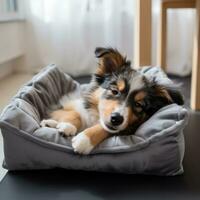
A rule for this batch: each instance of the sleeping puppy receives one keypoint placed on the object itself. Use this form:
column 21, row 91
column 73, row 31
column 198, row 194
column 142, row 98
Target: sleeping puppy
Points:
column 117, row 101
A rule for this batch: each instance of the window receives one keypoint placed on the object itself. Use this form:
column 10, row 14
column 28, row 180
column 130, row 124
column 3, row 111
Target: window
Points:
column 11, row 10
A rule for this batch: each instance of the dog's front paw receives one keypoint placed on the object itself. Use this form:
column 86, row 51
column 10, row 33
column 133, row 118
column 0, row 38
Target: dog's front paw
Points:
column 81, row 144
column 66, row 128
column 48, row 123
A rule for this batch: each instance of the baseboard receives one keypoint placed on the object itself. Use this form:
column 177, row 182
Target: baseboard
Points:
column 6, row 69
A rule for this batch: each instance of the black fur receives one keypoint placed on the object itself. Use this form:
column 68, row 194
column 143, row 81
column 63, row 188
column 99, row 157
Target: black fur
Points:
column 150, row 104
column 175, row 95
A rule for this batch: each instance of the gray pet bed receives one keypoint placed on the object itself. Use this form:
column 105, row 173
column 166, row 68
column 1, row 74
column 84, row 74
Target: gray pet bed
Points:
column 156, row 148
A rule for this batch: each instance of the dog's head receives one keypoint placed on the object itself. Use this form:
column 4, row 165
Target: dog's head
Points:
column 127, row 97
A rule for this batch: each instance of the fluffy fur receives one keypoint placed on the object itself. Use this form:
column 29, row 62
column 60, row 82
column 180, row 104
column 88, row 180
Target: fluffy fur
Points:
column 118, row 100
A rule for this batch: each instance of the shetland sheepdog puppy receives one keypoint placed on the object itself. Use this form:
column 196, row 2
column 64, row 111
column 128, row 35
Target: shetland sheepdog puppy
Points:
column 118, row 100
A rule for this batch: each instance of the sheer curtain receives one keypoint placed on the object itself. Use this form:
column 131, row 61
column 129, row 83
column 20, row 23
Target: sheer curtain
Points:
column 180, row 44
column 180, row 32
column 66, row 32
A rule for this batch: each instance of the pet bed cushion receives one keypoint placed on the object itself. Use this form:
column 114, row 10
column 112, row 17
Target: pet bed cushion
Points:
column 156, row 148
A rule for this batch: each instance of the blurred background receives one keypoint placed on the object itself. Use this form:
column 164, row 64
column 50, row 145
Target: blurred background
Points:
column 34, row 33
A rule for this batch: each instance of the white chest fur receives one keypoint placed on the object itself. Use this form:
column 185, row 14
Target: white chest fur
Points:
column 89, row 117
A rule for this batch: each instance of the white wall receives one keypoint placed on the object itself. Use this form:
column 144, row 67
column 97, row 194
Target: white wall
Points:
column 11, row 44
column 6, row 69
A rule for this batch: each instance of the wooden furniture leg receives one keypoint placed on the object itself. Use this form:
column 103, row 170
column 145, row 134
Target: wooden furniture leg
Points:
column 162, row 32
column 195, row 87
column 162, row 38
column 142, row 33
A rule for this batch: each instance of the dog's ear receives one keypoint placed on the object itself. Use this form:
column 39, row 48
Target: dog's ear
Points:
column 110, row 60
column 159, row 96
column 176, row 96
column 170, row 94
column 100, row 51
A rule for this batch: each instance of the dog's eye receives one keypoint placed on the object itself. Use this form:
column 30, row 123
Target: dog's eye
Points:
column 115, row 92
column 137, row 104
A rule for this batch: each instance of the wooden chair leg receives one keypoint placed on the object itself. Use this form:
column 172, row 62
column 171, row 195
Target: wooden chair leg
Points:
column 195, row 88
column 162, row 38
column 142, row 32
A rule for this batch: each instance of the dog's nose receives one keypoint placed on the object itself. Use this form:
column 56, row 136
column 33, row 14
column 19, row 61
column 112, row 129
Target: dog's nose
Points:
column 116, row 119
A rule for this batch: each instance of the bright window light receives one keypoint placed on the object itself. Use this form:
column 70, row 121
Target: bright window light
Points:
column 10, row 10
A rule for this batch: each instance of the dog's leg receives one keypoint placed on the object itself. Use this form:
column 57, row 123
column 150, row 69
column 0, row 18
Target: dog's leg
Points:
column 85, row 141
column 67, row 122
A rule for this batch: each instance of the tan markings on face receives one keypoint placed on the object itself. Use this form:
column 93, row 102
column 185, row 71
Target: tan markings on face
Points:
column 96, row 134
column 108, row 107
column 70, row 116
column 139, row 97
column 121, row 85
column 161, row 91
column 131, row 117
